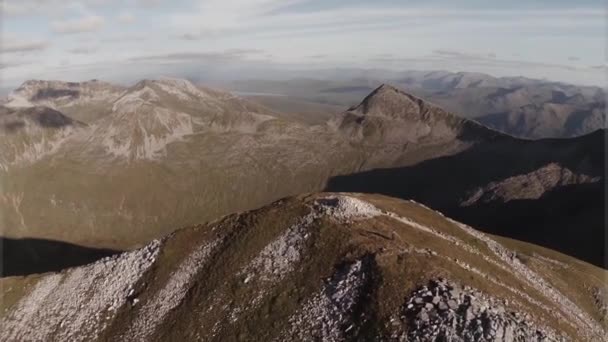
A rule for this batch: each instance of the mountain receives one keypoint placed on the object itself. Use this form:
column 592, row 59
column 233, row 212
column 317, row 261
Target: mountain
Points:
column 330, row 267
column 166, row 154
column 169, row 154
column 548, row 119
column 389, row 115
column 83, row 101
column 30, row 133
column 518, row 106
column 153, row 113
column 402, row 129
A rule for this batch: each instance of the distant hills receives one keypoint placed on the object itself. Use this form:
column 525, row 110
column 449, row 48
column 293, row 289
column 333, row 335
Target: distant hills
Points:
column 515, row 105
column 163, row 154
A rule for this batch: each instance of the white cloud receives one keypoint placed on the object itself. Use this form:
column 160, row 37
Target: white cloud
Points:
column 214, row 18
column 126, row 18
column 12, row 44
column 83, row 50
column 89, row 23
column 305, row 33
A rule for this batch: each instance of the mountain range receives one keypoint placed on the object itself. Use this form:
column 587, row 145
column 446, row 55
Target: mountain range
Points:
column 166, row 153
column 103, row 236
column 518, row 106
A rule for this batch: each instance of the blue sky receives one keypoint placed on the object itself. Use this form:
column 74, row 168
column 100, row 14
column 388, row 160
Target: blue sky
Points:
column 128, row 39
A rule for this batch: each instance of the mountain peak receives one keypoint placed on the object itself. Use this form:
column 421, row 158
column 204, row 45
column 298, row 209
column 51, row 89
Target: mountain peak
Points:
column 391, row 115
column 391, row 102
column 181, row 89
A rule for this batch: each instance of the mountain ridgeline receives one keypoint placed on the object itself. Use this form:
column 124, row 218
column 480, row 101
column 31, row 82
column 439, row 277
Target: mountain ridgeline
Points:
column 518, row 106
column 166, row 153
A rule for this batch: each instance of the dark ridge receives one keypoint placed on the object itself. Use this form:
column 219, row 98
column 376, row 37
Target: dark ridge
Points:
column 569, row 219
column 559, row 96
column 13, row 126
column 502, row 92
column 15, row 118
column 46, row 93
column 47, row 117
column 29, row 256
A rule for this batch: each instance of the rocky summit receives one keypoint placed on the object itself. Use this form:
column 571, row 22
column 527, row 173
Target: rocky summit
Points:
column 320, row 267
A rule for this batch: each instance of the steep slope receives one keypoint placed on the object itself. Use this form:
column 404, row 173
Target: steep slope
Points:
column 389, row 115
column 548, row 120
column 403, row 129
column 331, row 267
column 517, row 106
column 168, row 154
column 154, row 113
column 83, row 101
column 28, row 134
column 548, row 191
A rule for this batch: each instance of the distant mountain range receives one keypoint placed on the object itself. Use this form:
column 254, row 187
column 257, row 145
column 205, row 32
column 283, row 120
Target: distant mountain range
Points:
column 322, row 267
column 165, row 153
column 516, row 105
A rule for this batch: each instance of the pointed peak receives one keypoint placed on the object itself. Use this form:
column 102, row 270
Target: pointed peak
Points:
column 182, row 88
column 391, row 102
column 387, row 87
column 389, row 90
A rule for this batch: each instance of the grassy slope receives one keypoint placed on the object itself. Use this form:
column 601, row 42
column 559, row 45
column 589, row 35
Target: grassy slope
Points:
column 218, row 291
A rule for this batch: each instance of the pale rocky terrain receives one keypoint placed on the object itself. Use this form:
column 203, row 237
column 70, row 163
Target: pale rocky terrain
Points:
column 30, row 133
column 82, row 101
column 331, row 267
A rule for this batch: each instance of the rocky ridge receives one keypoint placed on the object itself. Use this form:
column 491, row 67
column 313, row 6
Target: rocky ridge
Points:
column 82, row 101
column 335, row 267
column 450, row 312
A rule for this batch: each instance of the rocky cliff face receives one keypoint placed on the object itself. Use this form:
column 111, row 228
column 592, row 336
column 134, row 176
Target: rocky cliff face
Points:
column 331, row 267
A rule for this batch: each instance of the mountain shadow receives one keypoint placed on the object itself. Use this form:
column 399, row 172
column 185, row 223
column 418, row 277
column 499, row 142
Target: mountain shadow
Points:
column 29, row 256
column 520, row 189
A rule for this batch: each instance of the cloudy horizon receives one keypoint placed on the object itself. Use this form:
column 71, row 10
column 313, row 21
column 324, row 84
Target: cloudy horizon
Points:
column 125, row 40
